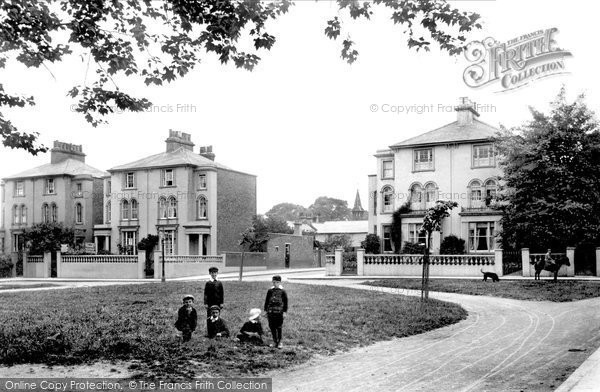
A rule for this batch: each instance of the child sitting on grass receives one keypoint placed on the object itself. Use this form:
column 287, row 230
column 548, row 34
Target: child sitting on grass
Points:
column 216, row 327
column 252, row 330
column 186, row 318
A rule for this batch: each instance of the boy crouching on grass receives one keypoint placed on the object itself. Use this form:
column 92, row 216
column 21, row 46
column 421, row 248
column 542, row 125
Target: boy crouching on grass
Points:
column 216, row 327
column 252, row 330
column 187, row 318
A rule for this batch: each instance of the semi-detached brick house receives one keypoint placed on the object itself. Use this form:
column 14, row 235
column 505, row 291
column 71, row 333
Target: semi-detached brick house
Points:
column 457, row 162
column 197, row 205
column 60, row 191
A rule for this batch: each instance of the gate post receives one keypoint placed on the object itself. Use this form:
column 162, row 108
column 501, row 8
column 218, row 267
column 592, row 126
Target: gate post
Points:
column 47, row 264
column 571, row 256
column 499, row 267
column 360, row 261
column 339, row 262
column 25, row 266
column 525, row 262
column 59, row 264
column 598, row 261
column 141, row 264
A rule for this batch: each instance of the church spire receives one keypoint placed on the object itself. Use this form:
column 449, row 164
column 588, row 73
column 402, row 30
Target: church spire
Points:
column 358, row 212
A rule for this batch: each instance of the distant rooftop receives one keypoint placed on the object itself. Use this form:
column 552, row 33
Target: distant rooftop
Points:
column 70, row 167
column 342, row 227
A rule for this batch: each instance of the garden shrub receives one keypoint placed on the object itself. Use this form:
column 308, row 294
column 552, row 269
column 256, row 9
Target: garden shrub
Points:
column 452, row 245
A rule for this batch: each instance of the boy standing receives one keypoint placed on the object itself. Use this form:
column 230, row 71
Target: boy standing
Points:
column 276, row 305
column 187, row 318
column 213, row 292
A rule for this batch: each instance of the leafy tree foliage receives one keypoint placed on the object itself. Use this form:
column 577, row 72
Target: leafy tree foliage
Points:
column 337, row 241
column 371, row 244
column 452, row 245
column 47, row 237
column 255, row 238
column 287, row 211
column 148, row 243
column 552, row 179
column 160, row 41
column 410, row 248
column 396, row 227
column 330, row 209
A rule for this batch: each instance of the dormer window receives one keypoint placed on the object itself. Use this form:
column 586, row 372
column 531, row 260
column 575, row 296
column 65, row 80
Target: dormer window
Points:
column 50, row 186
column 168, row 177
column 423, row 159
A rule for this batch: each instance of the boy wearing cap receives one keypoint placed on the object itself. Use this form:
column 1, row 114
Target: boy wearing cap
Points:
column 252, row 330
column 215, row 326
column 213, row 292
column 276, row 305
column 187, row 318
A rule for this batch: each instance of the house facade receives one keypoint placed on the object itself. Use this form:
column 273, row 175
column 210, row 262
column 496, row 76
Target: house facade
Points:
column 61, row 191
column 198, row 206
column 454, row 162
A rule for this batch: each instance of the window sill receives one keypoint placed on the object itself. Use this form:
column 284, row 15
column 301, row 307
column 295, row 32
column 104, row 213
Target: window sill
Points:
column 130, row 189
column 422, row 170
column 49, row 194
column 483, row 167
column 167, row 186
column 386, row 178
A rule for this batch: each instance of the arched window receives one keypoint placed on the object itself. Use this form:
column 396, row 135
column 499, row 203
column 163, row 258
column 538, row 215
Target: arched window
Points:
column 172, row 207
column 124, row 210
column 108, row 212
column 491, row 188
column 475, row 198
column 45, row 213
column 78, row 213
column 15, row 214
column 431, row 194
column 53, row 213
column 202, row 207
column 387, row 196
column 416, row 197
column 134, row 209
column 23, row 214
column 162, row 208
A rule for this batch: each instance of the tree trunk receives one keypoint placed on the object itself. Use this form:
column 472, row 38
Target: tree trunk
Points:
column 425, row 275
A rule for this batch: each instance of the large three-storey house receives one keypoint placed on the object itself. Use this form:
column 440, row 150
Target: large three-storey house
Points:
column 454, row 162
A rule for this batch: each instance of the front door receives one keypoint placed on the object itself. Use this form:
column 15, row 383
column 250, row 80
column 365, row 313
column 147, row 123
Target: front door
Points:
column 287, row 255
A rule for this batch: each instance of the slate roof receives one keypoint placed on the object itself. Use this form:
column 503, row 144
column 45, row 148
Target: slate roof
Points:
column 70, row 167
column 178, row 157
column 453, row 132
column 342, row 227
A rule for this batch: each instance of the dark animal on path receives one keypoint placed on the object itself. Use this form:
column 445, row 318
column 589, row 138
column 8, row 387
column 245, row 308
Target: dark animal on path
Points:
column 492, row 275
column 541, row 264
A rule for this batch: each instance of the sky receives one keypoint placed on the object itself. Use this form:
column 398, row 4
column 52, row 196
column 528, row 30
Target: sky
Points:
column 304, row 121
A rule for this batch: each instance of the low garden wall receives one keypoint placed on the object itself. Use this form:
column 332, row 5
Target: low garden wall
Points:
column 178, row 266
column 100, row 266
column 253, row 261
column 36, row 266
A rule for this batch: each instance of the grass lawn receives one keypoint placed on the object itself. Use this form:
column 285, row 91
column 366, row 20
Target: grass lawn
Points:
column 135, row 323
column 532, row 290
column 26, row 286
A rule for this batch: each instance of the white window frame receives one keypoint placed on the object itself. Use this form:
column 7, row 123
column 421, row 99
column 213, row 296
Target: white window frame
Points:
column 413, row 233
column 168, row 177
column 78, row 213
column 386, row 230
column 23, row 210
column 53, row 213
column 170, row 239
column 387, row 200
column 50, row 186
column 171, row 207
column 45, row 213
column 387, row 173
column 128, row 176
column 202, row 207
column 134, row 209
column 473, row 242
column 202, row 181
column 476, row 194
column 107, row 218
column 125, row 211
column 488, row 161
column 19, row 188
column 162, row 208
column 129, row 238
column 423, row 165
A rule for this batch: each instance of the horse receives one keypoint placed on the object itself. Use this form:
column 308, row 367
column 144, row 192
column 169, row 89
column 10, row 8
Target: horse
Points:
column 540, row 265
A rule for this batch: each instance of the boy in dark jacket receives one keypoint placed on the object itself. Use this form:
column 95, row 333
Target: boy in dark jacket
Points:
column 252, row 330
column 216, row 327
column 213, row 292
column 187, row 318
column 276, row 305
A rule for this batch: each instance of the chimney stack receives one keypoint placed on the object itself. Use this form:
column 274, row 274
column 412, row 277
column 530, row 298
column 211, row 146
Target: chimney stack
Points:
column 62, row 151
column 465, row 111
column 298, row 228
column 178, row 140
column 207, row 152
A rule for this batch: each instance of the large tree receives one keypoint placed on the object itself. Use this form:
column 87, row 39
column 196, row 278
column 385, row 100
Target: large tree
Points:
column 552, row 178
column 47, row 237
column 160, row 41
column 330, row 209
column 287, row 211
